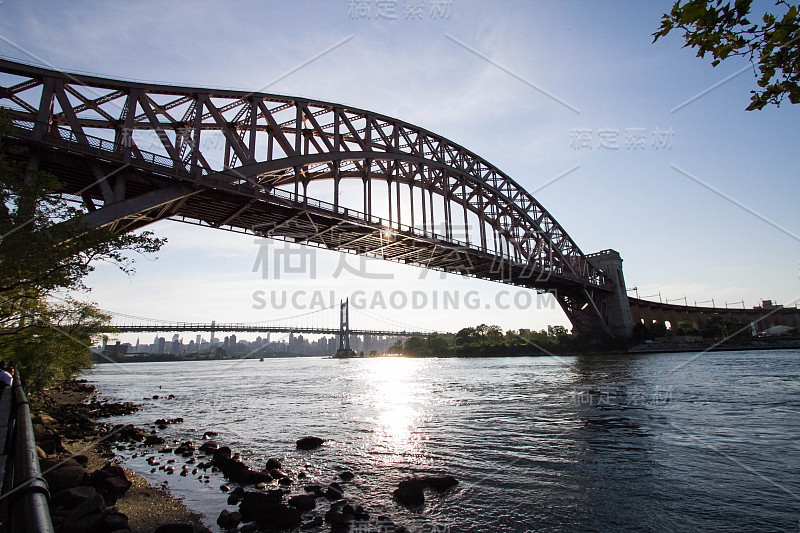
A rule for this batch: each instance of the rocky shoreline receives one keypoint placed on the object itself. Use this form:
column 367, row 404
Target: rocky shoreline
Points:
column 79, row 462
column 89, row 491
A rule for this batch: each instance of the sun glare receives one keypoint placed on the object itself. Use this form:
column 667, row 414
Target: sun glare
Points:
column 394, row 402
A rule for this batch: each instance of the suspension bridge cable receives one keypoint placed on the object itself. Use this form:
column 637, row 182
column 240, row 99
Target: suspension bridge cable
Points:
column 309, row 313
column 175, row 322
column 407, row 327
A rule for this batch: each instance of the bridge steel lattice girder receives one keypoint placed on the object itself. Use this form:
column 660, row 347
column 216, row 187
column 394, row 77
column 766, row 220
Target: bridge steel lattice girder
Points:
column 271, row 144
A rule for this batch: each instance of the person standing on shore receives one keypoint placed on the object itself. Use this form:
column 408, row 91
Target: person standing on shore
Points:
column 6, row 375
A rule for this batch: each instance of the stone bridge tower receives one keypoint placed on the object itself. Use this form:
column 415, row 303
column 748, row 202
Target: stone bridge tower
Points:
column 616, row 309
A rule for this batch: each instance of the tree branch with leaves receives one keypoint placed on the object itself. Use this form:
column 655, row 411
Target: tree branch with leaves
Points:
column 729, row 29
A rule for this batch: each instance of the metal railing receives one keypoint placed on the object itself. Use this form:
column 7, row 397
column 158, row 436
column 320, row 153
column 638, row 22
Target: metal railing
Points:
column 25, row 493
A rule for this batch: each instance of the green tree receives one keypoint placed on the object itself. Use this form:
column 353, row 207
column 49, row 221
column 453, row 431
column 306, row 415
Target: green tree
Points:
column 640, row 332
column 45, row 250
column 467, row 337
column 658, row 329
column 438, row 345
column 514, row 338
column 494, row 336
column 719, row 326
column 686, row 327
column 53, row 344
column 415, row 346
column 725, row 29
column 397, row 347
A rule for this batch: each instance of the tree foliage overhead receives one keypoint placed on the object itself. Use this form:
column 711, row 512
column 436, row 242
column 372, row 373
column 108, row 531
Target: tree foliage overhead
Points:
column 726, row 29
column 45, row 250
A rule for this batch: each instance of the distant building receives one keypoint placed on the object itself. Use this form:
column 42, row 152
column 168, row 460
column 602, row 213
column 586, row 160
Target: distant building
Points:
column 767, row 304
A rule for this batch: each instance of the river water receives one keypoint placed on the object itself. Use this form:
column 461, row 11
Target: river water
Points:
column 649, row 442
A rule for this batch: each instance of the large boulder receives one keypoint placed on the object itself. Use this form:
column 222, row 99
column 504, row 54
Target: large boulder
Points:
column 302, row 502
column 279, row 517
column 209, row 446
column 94, row 505
column 338, row 519
column 48, row 439
column 111, row 482
column 268, row 510
column 221, row 455
column 65, row 476
column 114, row 522
column 44, row 419
column 236, row 471
column 411, row 491
column 259, row 476
column 439, row 483
column 228, row 519
column 90, row 523
column 309, row 443
column 152, row 440
column 334, row 492
column 70, row 498
column 252, row 502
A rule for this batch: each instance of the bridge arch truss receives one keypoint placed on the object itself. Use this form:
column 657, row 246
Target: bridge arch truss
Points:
column 133, row 153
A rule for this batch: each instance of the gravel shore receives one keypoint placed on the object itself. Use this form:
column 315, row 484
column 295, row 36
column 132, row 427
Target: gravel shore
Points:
column 65, row 429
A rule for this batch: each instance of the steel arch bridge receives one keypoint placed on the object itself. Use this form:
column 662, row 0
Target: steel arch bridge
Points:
column 304, row 171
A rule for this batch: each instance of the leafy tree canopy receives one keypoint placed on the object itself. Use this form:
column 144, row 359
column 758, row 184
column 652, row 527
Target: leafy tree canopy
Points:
column 727, row 29
column 45, row 251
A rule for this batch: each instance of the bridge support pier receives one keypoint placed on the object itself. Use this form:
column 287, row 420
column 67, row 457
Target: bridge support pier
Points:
column 615, row 310
column 344, row 330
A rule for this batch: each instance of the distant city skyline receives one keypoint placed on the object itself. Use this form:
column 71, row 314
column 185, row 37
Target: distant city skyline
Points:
column 630, row 145
column 231, row 346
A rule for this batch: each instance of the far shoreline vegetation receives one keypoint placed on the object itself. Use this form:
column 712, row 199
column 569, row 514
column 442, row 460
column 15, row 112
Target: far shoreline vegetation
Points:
column 491, row 341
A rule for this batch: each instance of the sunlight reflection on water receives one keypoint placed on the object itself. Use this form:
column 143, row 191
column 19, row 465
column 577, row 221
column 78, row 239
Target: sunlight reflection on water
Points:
column 607, row 443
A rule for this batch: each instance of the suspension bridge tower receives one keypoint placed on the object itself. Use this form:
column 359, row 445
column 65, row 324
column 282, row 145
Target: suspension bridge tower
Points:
column 344, row 330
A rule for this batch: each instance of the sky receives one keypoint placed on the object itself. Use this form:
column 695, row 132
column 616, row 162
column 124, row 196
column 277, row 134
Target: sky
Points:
column 706, row 207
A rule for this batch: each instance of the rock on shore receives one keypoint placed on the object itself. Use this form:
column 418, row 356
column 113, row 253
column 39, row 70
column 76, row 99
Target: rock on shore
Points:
column 89, row 493
column 309, row 443
column 411, row 491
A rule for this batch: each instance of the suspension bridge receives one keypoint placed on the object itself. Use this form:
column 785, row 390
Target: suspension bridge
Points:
column 304, row 171
column 332, row 320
